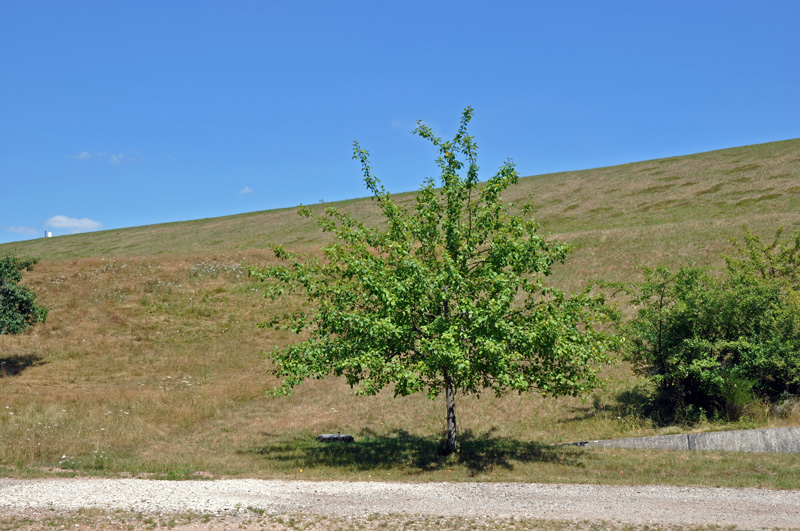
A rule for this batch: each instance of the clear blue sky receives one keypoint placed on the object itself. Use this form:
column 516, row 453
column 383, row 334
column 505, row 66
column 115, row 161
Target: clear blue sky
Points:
column 124, row 113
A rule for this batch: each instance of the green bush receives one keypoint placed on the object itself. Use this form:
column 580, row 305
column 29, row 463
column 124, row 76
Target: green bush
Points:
column 714, row 340
column 18, row 308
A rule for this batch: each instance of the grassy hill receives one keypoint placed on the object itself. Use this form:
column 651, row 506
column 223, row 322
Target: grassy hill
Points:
column 150, row 360
column 660, row 211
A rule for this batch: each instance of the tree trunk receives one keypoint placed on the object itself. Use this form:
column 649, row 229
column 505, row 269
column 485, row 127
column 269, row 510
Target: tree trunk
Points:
column 452, row 431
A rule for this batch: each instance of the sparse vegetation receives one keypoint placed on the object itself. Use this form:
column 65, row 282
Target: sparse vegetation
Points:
column 149, row 354
column 127, row 521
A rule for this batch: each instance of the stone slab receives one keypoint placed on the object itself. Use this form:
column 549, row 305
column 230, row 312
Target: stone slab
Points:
column 782, row 440
column 657, row 442
column 335, row 437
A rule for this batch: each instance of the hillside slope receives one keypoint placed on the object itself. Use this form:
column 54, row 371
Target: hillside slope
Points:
column 150, row 360
column 683, row 204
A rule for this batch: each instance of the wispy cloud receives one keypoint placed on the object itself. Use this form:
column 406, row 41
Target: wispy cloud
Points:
column 404, row 124
column 86, row 155
column 23, row 230
column 119, row 158
column 245, row 190
column 73, row 224
column 112, row 158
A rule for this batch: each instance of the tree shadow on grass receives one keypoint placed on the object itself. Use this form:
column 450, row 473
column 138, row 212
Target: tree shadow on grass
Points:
column 419, row 454
column 13, row 365
column 636, row 403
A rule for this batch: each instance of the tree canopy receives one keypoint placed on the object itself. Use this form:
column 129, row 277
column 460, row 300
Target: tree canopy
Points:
column 18, row 308
column 447, row 295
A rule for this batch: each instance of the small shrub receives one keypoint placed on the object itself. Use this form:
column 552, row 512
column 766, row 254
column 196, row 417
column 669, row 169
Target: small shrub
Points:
column 715, row 341
column 18, row 308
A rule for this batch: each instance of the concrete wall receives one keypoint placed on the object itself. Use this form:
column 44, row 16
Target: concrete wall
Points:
column 761, row 440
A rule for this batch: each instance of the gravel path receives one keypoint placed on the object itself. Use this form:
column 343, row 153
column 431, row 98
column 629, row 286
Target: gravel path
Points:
column 745, row 508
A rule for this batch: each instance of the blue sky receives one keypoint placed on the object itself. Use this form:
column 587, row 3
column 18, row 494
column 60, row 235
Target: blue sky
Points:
column 126, row 113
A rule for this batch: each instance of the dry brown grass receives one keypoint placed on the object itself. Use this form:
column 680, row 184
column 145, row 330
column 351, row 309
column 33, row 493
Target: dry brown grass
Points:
column 150, row 362
column 133, row 350
column 254, row 519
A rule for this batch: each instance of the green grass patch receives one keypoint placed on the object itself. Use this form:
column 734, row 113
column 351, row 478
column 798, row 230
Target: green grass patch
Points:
column 743, row 168
column 713, row 190
column 751, row 200
column 651, row 190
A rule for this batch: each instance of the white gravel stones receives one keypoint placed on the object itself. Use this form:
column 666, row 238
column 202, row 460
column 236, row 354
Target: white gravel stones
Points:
column 747, row 508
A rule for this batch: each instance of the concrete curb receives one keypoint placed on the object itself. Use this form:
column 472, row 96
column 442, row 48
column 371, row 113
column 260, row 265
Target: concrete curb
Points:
column 781, row 440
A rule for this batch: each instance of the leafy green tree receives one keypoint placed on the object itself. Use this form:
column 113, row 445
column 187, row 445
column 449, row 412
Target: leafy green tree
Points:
column 778, row 260
column 18, row 308
column 711, row 340
column 446, row 296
